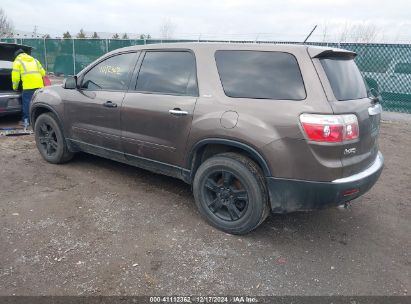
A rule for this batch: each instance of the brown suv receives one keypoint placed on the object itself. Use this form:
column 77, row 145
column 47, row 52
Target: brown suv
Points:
column 253, row 128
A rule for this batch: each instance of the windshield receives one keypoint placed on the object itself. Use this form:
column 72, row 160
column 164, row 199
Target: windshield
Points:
column 345, row 78
column 6, row 64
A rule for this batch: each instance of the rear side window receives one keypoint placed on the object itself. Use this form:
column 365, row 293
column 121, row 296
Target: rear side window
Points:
column 256, row 74
column 168, row 73
column 345, row 78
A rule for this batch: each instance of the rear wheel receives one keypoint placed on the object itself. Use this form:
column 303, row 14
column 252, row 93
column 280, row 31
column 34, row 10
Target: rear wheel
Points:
column 230, row 192
column 50, row 140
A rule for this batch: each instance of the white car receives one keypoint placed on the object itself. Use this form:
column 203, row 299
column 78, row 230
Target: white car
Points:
column 10, row 101
column 390, row 77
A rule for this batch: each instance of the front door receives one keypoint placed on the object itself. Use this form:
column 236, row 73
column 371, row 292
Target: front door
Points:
column 93, row 111
column 156, row 116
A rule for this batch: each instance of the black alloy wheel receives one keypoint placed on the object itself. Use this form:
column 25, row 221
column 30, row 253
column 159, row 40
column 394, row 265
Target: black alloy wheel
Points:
column 226, row 196
column 230, row 193
column 48, row 139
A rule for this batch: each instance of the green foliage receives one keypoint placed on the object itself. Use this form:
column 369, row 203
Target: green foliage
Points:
column 66, row 35
column 81, row 34
column 143, row 36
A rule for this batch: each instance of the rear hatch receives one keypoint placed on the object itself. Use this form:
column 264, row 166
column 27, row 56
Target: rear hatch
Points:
column 5, row 76
column 9, row 99
column 7, row 51
column 348, row 94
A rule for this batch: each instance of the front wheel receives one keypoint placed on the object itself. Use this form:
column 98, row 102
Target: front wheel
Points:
column 230, row 192
column 50, row 140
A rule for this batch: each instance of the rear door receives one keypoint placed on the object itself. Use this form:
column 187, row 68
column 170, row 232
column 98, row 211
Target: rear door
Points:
column 347, row 94
column 158, row 110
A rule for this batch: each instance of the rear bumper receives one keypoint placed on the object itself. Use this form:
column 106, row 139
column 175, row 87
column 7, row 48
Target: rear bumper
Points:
column 10, row 103
column 288, row 195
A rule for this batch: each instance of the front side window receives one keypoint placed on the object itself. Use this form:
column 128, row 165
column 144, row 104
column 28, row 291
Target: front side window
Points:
column 344, row 77
column 110, row 74
column 257, row 74
column 168, row 72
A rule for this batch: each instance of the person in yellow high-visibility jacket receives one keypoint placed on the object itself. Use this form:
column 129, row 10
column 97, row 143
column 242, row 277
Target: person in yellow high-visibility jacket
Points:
column 29, row 71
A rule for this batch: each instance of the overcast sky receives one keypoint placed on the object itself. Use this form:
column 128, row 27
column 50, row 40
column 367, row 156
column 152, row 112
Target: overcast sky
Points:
column 218, row 19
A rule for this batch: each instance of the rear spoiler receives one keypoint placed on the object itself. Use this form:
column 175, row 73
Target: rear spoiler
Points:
column 320, row 52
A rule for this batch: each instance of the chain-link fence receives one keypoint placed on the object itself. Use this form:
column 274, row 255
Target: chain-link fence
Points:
column 385, row 67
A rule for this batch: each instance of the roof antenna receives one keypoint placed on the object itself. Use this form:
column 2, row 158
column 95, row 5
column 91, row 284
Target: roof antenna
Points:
column 312, row 31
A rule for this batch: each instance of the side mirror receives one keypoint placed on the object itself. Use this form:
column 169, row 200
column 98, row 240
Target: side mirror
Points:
column 373, row 92
column 374, row 95
column 70, row 83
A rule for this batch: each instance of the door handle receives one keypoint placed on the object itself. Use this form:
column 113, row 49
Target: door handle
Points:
column 177, row 112
column 109, row 104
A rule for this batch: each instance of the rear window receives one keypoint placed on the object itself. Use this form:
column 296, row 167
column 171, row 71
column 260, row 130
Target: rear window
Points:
column 345, row 78
column 256, row 74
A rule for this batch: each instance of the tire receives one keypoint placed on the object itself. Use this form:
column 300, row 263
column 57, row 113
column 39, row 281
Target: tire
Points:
column 230, row 192
column 50, row 140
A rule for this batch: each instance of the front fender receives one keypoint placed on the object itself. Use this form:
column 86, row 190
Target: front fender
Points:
column 47, row 100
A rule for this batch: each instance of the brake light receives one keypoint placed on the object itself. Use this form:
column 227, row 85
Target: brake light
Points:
column 351, row 191
column 330, row 128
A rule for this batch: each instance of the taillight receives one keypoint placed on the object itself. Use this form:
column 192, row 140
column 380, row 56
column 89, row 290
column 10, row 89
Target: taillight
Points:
column 330, row 128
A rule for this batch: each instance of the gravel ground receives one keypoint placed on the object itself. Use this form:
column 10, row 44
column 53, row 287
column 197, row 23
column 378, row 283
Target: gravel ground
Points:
column 97, row 227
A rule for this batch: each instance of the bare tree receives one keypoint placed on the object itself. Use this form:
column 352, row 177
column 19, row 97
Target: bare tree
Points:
column 365, row 33
column 358, row 33
column 167, row 29
column 324, row 28
column 344, row 32
column 6, row 25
